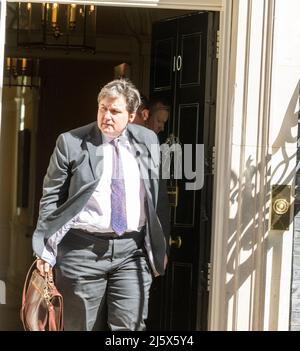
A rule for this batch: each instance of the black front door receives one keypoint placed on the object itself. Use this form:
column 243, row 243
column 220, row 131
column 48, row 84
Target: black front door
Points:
column 183, row 72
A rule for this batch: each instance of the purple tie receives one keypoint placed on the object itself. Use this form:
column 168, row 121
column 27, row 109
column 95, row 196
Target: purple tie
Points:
column 118, row 196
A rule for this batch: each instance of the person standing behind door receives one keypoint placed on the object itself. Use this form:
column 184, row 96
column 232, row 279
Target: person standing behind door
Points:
column 159, row 112
column 104, row 217
column 153, row 114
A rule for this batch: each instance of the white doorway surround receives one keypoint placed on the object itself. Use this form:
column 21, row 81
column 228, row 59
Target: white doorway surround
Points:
column 2, row 41
column 256, row 132
column 256, row 149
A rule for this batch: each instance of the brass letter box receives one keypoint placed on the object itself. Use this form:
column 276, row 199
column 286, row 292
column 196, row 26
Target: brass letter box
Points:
column 173, row 195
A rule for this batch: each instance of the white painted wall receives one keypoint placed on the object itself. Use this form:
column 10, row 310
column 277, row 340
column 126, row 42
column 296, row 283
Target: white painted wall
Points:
column 284, row 107
column 261, row 151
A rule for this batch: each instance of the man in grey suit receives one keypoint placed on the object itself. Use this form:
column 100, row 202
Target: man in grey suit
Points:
column 104, row 216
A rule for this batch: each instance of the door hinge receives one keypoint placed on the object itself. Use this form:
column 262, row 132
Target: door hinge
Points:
column 210, row 162
column 208, row 276
column 218, row 39
column 213, row 160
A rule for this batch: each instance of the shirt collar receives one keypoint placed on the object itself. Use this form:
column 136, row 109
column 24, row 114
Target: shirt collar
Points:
column 122, row 138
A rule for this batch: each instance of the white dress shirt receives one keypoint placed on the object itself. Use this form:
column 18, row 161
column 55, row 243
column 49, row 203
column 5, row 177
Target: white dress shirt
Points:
column 96, row 215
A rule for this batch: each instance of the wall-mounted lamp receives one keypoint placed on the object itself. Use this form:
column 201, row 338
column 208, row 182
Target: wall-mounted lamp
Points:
column 22, row 72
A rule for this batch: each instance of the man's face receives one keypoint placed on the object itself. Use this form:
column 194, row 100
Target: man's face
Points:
column 113, row 116
column 158, row 118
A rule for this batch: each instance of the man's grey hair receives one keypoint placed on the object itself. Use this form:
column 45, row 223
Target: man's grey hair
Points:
column 122, row 87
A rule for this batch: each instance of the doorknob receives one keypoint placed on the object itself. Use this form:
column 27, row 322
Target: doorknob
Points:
column 177, row 242
column 281, row 204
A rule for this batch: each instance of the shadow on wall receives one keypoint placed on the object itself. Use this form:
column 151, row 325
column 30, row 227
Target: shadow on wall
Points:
column 250, row 240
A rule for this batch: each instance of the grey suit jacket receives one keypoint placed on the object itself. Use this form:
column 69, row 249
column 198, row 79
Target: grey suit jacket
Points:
column 74, row 171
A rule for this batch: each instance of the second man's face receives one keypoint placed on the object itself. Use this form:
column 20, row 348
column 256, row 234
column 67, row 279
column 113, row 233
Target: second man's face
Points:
column 113, row 116
column 158, row 118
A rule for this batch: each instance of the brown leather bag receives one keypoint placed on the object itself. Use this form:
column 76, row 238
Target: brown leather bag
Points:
column 42, row 304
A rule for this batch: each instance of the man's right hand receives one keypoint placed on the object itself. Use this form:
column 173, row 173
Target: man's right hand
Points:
column 43, row 267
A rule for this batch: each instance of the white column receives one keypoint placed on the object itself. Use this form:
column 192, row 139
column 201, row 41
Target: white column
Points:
column 217, row 308
column 2, row 41
column 256, row 148
column 4, row 224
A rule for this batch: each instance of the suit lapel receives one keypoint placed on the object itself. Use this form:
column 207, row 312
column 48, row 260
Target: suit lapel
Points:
column 137, row 136
column 94, row 146
column 143, row 162
column 146, row 159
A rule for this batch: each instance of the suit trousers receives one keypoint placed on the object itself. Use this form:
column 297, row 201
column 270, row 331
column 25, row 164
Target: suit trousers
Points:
column 104, row 281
